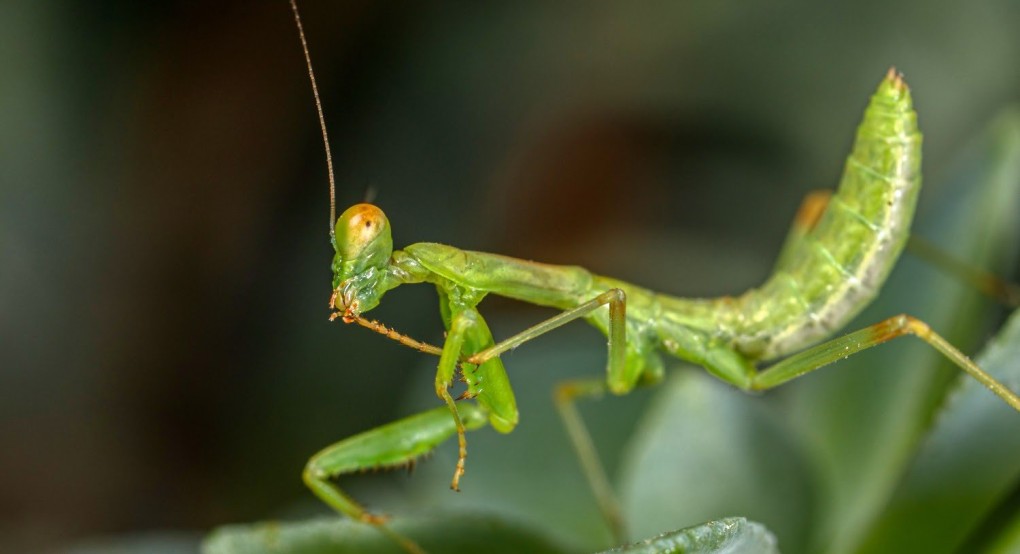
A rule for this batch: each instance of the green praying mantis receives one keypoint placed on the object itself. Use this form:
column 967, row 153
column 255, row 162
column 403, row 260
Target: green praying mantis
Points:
column 836, row 258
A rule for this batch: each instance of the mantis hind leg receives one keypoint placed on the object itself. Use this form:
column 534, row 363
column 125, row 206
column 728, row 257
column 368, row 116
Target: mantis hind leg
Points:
column 883, row 331
column 397, row 444
column 989, row 284
column 566, row 396
column 810, row 211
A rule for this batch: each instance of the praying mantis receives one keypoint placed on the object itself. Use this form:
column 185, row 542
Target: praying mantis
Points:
column 836, row 258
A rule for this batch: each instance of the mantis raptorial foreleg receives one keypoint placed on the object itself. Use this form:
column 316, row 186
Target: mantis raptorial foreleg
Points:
column 485, row 379
column 393, row 445
column 452, row 348
column 401, row 443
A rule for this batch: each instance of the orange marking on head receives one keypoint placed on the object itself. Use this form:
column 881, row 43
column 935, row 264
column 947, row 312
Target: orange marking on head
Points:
column 364, row 223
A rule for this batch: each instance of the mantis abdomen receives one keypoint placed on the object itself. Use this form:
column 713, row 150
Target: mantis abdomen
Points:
column 829, row 273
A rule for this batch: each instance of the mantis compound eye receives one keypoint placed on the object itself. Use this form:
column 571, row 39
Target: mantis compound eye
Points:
column 363, row 237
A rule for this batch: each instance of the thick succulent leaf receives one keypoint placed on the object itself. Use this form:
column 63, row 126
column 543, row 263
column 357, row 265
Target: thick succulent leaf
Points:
column 333, row 535
column 706, row 450
column 968, row 462
column 862, row 418
column 726, row 536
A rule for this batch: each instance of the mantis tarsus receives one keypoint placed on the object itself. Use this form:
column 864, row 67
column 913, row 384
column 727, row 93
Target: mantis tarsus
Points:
column 836, row 258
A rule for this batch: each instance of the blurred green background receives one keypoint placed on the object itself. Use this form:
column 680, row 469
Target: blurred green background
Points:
column 165, row 360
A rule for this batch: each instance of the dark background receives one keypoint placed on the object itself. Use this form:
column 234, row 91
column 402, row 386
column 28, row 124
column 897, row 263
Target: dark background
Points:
column 165, row 359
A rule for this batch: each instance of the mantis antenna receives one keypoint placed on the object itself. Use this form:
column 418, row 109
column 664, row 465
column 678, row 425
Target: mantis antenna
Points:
column 322, row 123
column 348, row 318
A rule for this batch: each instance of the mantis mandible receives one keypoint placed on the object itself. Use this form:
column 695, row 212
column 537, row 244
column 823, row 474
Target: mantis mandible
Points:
column 836, row 258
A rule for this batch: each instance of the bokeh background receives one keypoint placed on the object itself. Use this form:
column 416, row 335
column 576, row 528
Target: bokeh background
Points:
column 165, row 360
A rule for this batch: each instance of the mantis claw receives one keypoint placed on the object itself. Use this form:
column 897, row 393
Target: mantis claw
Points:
column 457, row 473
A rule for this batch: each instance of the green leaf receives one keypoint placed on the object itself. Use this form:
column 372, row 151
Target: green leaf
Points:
column 332, row 535
column 730, row 535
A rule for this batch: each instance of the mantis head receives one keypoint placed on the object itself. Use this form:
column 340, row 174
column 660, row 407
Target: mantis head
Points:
column 363, row 247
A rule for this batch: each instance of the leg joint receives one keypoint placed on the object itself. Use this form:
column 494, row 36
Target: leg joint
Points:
column 899, row 325
column 915, row 326
column 616, row 295
column 313, row 473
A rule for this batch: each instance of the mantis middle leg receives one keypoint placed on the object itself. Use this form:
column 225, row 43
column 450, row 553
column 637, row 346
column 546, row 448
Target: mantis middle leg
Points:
column 625, row 367
column 619, row 376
